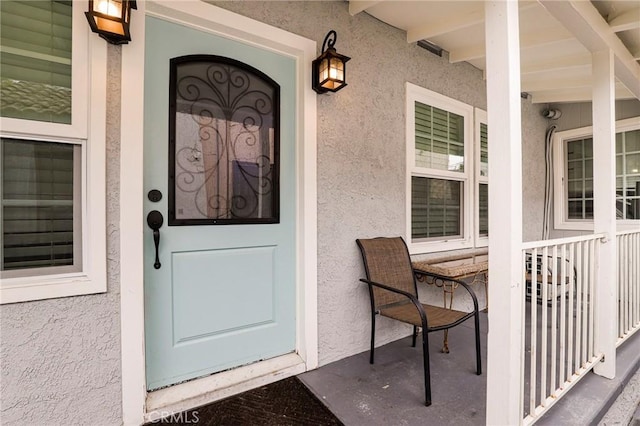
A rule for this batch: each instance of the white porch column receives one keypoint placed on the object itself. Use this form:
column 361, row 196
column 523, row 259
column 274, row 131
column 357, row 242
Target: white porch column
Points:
column 506, row 296
column 604, row 211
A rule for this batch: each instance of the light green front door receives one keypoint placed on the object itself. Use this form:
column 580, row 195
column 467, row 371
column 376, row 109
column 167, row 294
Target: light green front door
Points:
column 219, row 150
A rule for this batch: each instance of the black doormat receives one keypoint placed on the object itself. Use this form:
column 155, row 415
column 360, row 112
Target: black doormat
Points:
column 285, row 403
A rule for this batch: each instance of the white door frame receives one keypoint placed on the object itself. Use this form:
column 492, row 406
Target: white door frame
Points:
column 138, row 405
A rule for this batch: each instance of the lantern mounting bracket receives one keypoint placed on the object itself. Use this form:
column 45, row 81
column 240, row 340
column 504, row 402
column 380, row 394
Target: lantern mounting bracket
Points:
column 330, row 40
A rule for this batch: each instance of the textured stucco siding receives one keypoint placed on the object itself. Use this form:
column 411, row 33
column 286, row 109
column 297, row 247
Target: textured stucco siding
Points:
column 61, row 357
column 534, row 128
column 578, row 115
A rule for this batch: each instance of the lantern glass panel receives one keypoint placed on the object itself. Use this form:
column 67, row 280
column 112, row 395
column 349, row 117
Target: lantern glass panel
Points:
column 336, row 69
column 108, row 7
column 107, row 25
column 114, row 21
column 324, row 71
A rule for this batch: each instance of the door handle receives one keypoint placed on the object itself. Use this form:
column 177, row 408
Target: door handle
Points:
column 155, row 220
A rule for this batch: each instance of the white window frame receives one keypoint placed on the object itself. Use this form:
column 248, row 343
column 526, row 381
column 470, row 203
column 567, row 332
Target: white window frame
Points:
column 480, row 118
column 414, row 94
column 87, row 129
column 560, row 140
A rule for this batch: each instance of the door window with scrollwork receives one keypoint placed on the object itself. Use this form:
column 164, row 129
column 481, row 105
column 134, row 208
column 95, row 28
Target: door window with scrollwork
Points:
column 224, row 143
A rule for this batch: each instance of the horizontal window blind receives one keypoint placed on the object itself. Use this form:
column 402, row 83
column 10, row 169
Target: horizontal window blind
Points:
column 39, row 210
column 483, row 207
column 35, row 60
column 484, row 150
column 436, row 207
column 439, row 138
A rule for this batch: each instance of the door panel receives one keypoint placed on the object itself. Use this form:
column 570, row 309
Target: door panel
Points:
column 198, row 311
column 224, row 295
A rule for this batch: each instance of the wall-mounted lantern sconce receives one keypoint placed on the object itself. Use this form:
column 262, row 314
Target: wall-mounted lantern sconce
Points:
column 329, row 69
column 110, row 19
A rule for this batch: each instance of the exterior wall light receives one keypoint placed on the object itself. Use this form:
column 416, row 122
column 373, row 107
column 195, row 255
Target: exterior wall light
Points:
column 110, row 19
column 329, row 69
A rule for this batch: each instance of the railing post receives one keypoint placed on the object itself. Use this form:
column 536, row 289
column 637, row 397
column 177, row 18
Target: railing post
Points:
column 604, row 212
column 505, row 341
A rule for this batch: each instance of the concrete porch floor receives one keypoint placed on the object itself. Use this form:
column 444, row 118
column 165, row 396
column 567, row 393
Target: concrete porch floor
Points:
column 391, row 391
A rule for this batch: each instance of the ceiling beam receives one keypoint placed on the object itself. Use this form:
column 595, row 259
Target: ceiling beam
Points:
column 556, row 64
column 447, row 25
column 454, row 23
column 357, row 6
column 629, row 20
column 583, row 20
column 477, row 51
column 574, row 95
column 543, row 84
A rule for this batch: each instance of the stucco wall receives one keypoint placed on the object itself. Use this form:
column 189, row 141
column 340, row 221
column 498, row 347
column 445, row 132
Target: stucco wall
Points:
column 534, row 127
column 579, row 115
column 61, row 357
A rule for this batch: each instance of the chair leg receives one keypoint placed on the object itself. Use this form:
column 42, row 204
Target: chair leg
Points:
column 478, row 357
column 427, row 371
column 373, row 336
column 415, row 334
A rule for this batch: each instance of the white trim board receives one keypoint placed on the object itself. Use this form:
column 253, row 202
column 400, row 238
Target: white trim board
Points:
column 197, row 393
column 135, row 400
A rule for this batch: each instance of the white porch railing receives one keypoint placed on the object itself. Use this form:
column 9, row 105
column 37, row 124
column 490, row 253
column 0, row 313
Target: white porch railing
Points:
column 628, row 262
column 560, row 277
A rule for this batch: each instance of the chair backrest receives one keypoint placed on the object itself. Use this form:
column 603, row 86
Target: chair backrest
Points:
column 387, row 261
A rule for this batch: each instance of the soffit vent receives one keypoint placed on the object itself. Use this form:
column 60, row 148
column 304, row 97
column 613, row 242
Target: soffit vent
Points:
column 436, row 50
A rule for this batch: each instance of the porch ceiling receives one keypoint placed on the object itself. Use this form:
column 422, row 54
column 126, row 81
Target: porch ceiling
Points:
column 556, row 39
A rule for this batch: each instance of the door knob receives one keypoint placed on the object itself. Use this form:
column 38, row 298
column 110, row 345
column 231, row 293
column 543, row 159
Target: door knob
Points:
column 155, row 221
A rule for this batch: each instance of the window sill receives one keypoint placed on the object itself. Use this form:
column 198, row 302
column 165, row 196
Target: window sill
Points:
column 14, row 290
column 436, row 246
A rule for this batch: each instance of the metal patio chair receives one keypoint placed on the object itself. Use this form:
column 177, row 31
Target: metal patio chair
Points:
column 394, row 294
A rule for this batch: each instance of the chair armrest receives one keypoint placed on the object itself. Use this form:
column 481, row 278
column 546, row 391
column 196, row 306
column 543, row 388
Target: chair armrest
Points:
column 460, row 282
column 411, row 297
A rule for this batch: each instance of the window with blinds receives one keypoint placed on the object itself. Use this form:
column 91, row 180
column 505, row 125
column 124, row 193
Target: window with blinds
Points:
column 437, row 193
column 483, row 209
column 482, row 176
column 439, row 138
column 35, row 60
column 40, row 208
column 436, row 207
column 40, row 185
column 52, row 96
column 447, row 204
column 484, row 150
